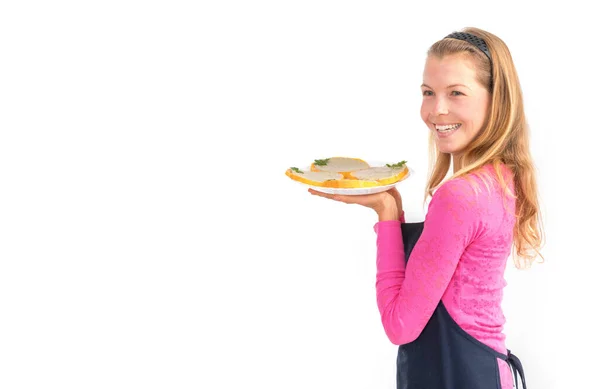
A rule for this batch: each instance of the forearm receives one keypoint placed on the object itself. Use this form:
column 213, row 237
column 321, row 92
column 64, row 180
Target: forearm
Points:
column 408, row 293
column 390, row 277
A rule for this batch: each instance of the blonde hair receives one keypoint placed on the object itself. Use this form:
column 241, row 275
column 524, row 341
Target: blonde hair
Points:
column 503, row 139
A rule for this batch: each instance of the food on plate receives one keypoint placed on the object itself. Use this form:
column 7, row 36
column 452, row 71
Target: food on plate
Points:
column 326, row 179
column 343, row 172
column 343, row 165
column 384, row 175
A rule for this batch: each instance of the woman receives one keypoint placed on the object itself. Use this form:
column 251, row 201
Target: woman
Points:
column 443, row 306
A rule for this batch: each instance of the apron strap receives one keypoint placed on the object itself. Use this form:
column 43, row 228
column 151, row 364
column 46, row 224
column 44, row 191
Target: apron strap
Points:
column 516, row 367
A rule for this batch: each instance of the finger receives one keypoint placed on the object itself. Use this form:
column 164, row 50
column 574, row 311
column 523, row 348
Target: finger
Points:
column 321, row 194
column 397, row 197
column 343, row 199
column 394, row 192
column 336, row 197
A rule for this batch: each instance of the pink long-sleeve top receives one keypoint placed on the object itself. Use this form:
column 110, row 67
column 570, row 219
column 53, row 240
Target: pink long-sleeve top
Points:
column 459, row 259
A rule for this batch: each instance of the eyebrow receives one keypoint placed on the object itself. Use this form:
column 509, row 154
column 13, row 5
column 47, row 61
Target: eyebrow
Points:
column 449, row 86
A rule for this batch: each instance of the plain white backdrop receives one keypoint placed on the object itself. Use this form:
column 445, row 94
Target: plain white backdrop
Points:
column 150, row 239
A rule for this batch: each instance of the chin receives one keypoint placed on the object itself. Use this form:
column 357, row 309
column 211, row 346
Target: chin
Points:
column 446, row 149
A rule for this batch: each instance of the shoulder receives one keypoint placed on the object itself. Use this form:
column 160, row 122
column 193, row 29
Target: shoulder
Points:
column 478, row 189
column 458, row 190
column 455, row 207
column 479, row 197
column 484, row 179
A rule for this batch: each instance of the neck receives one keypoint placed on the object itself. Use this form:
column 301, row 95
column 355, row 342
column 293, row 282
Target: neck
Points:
column 455, row 163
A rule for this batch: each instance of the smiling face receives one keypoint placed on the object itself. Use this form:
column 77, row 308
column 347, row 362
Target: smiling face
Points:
column 455, row 104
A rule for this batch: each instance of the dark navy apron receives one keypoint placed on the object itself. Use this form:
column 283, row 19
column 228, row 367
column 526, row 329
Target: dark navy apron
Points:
column 444, row 356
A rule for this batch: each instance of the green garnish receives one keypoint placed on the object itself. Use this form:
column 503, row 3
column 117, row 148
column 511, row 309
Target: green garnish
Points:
column 295, row 169
column 396, row 165
column 321, row 162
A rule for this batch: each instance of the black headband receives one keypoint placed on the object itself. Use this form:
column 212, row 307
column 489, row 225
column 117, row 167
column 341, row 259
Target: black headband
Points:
column 474, row 40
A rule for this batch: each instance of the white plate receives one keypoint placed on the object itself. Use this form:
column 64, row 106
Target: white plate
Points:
column 359, row 191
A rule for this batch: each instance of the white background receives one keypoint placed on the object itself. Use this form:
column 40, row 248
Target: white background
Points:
column 150, row 239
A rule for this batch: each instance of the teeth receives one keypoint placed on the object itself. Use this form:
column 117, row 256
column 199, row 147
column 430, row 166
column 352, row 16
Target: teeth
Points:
column 449, row 127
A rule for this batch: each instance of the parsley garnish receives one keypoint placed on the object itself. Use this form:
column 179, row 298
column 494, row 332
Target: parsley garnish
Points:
column 295, row 169
column 321, row 162
column 396, row 165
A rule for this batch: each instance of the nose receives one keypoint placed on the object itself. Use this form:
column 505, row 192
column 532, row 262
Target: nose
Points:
column 440, row 107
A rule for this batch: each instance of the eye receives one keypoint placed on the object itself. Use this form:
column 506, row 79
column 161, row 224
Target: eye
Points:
column 427, row 93
column 456, row 93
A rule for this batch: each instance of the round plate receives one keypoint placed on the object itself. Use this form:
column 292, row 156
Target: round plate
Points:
column 359, row 191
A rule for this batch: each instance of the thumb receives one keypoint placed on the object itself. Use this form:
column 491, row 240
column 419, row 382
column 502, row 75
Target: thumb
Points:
column 394, row 192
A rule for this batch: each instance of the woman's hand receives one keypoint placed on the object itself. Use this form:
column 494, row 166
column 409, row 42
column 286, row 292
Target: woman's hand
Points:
column 396, row 195
column 388, row 204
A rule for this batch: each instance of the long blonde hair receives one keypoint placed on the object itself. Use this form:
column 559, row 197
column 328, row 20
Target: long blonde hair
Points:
column 503, row 139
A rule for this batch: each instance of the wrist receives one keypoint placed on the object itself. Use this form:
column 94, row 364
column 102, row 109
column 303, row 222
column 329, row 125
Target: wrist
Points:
column 388, row 210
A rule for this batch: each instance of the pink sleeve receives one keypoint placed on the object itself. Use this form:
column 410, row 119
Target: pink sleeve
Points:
column 408, row 294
